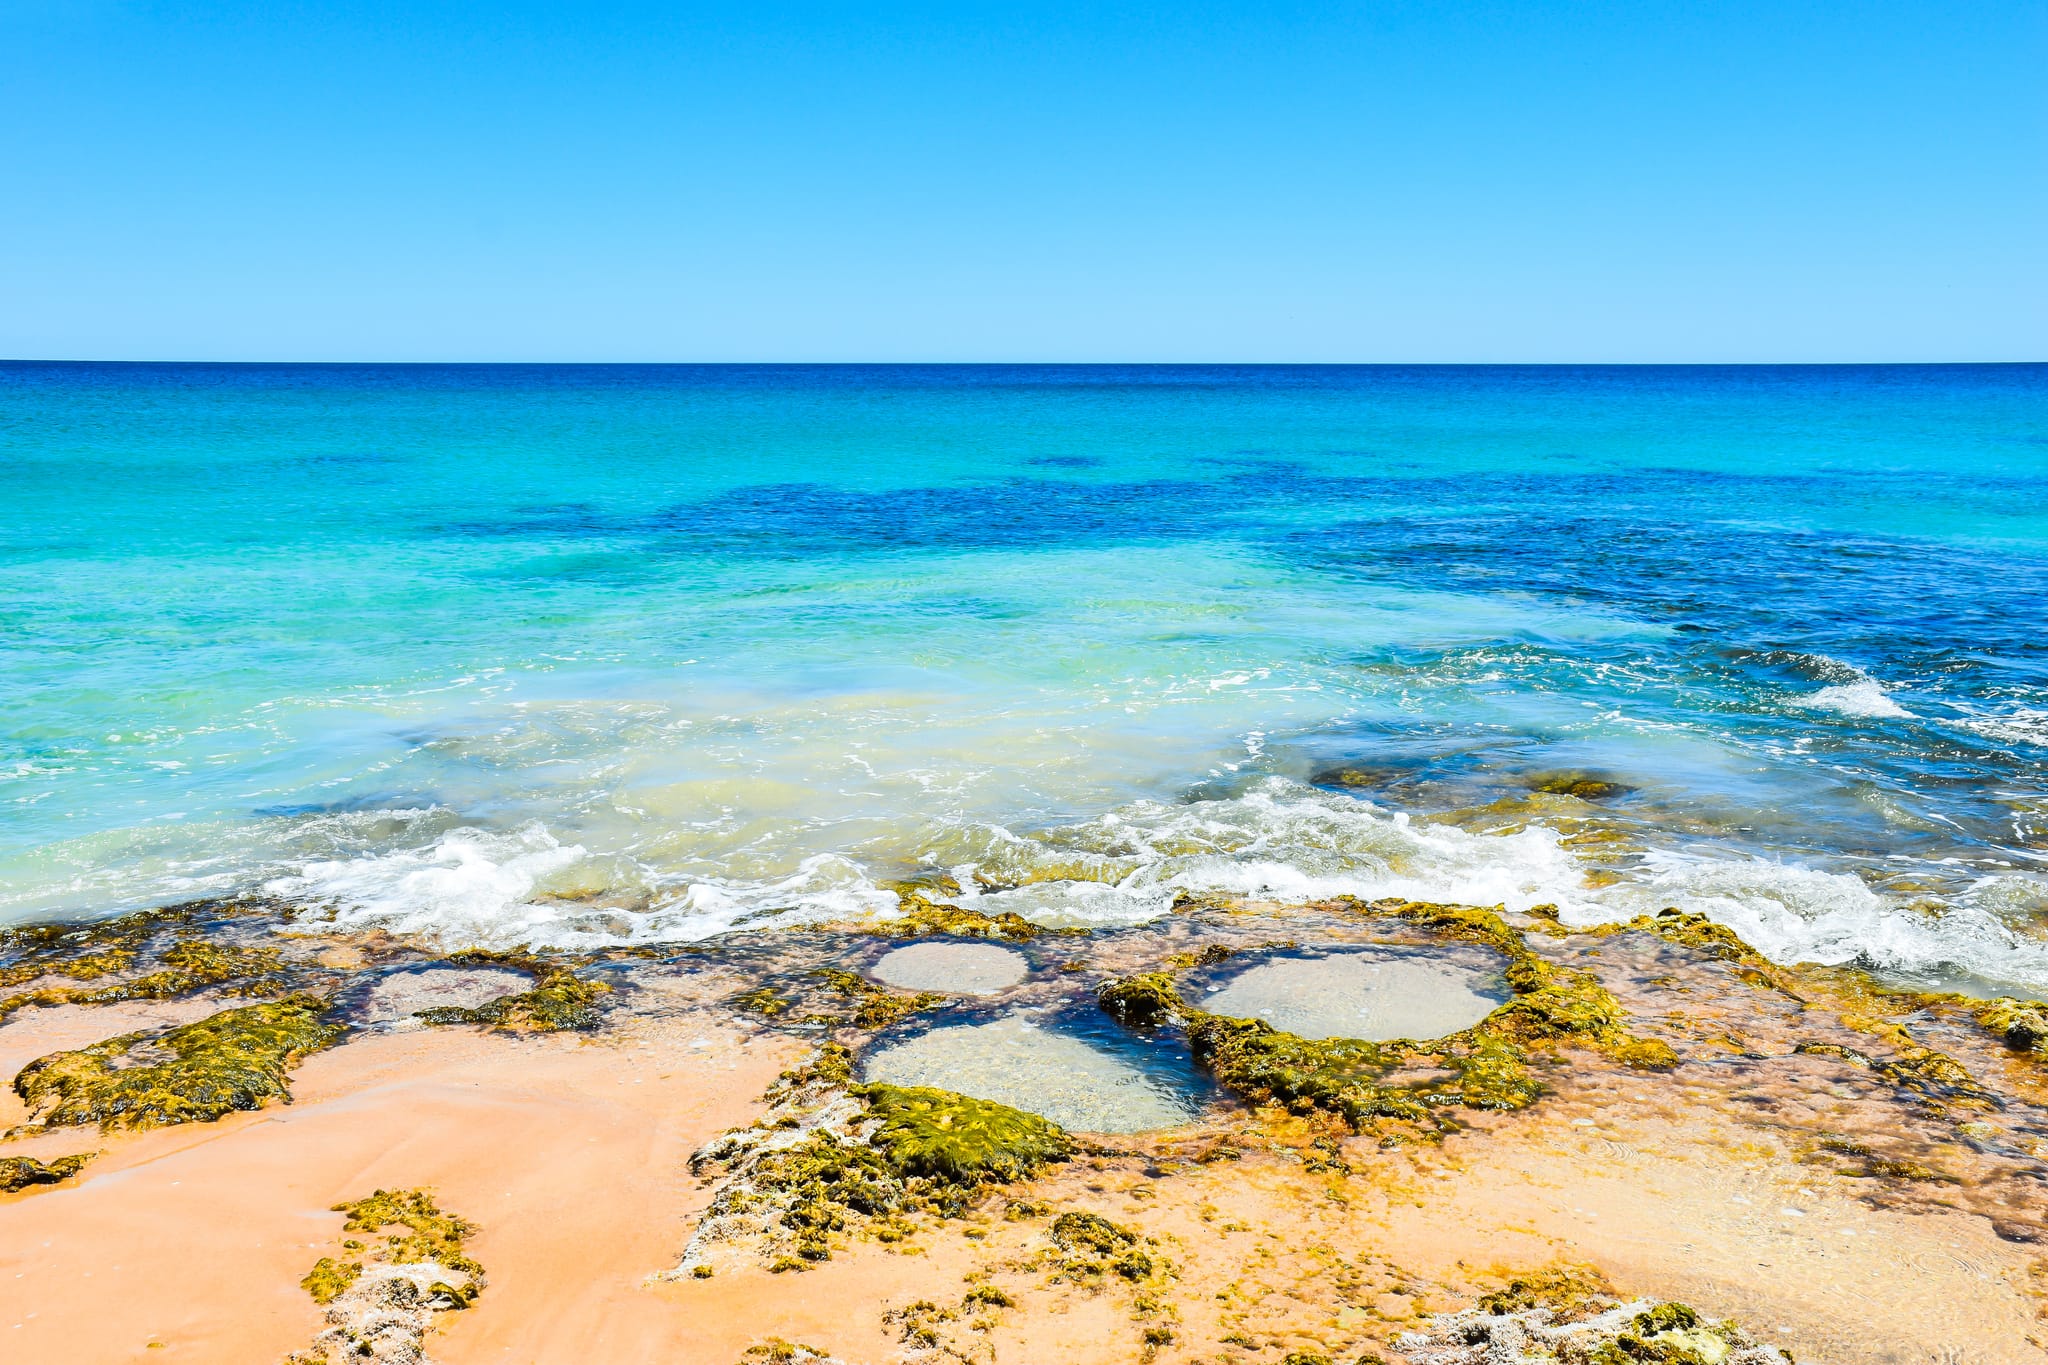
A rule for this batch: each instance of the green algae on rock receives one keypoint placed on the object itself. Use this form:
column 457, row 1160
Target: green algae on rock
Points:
column 19, row 1172
column 381, row 1301
column 830, row 1156
column 960, row 1142
column 1563, row 1320
column 1585, row 786
column 877, row 1006
column 86, row 951
column 920, row 915
column 2023, row 1024
column 195, row 1073
column 1482, row 1067
column 1092, row 1245
column 559, row 1001
column 98, row 950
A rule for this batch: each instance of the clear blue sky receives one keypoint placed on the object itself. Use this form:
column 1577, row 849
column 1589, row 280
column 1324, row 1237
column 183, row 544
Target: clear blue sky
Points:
column 1637, row 181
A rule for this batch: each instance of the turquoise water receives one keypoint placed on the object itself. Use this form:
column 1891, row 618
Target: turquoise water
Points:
column 591, row 654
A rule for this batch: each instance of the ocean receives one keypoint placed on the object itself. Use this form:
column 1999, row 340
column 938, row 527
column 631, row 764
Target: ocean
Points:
column 585, row 655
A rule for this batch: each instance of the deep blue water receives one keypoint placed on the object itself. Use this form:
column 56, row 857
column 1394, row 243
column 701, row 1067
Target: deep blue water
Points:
column 580, row 653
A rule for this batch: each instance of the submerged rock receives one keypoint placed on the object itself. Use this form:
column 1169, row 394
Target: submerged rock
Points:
column 1060, row 1077
column 955, row 968
column 20, row 1172
column 1586, row 786
column 396, row 998
column 1374, row 996
column 559, row 1000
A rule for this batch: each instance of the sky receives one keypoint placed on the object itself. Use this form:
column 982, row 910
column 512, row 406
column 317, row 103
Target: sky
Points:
column 1791, row 181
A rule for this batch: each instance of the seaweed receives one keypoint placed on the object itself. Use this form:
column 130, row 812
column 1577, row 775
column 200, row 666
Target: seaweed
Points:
column 1092, row 1245
column 560, row 1000
column 952, row 1140
column 831, row 1152
column 381, row 1302
column 1570, row 1292
column 2023, row 1024
column 877, row 1006
column 1571, row 1317
column 1483, row 1067
column 195, row 1073
column 1937, row 1081
column 20, row 1172
column 95, row 951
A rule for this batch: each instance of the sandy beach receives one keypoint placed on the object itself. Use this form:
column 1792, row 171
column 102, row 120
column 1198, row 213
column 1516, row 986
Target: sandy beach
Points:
column 1832, row 1208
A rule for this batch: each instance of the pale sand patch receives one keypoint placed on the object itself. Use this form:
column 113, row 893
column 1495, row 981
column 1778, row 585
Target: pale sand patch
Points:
column 955, row 968
column 1011, row 1061
column 1375, row 996
column 398, row 996
column 570, row 1154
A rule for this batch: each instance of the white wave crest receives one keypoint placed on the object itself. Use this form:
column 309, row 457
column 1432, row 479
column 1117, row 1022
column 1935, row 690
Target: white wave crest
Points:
column 1866, row 697
column 1278, row 839
column 1799, row 914
column 498, row 889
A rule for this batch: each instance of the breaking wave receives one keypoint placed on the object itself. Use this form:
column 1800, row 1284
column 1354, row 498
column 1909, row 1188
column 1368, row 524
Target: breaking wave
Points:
column 1278, row 839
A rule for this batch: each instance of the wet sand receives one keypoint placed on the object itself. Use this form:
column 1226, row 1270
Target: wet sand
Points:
column 571, row 1155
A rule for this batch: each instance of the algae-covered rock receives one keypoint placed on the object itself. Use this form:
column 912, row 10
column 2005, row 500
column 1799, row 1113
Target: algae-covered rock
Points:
column 2023, row 1024
column 194, row 1073
column 920, row 915
column 1569, row 1292
column 877, row 1006
column 86, row 951
column 1482, row 1067
column 1932, row 1078
column 1579, row 1325
column 1586, row 786
column 78, row 954
column 1698, row 933
column 382, row 1299
column 1091, row 1245
column 560, row 1000
column 942, row 1136
column 833, row 1157
column 20, row 1172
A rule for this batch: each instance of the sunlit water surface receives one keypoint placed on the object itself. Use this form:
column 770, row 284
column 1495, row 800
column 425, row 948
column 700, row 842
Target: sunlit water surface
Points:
column 582, row 655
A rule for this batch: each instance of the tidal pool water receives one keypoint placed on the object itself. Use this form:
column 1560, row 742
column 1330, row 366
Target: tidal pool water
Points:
column 1371, row 995
column 955, row 968
column 1090, row 1081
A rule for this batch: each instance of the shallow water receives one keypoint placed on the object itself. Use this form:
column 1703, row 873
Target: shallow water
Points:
column 1088, row 1080
column 572, row 655
column 1374, row 996
column 955, row 968
column 395, row 997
